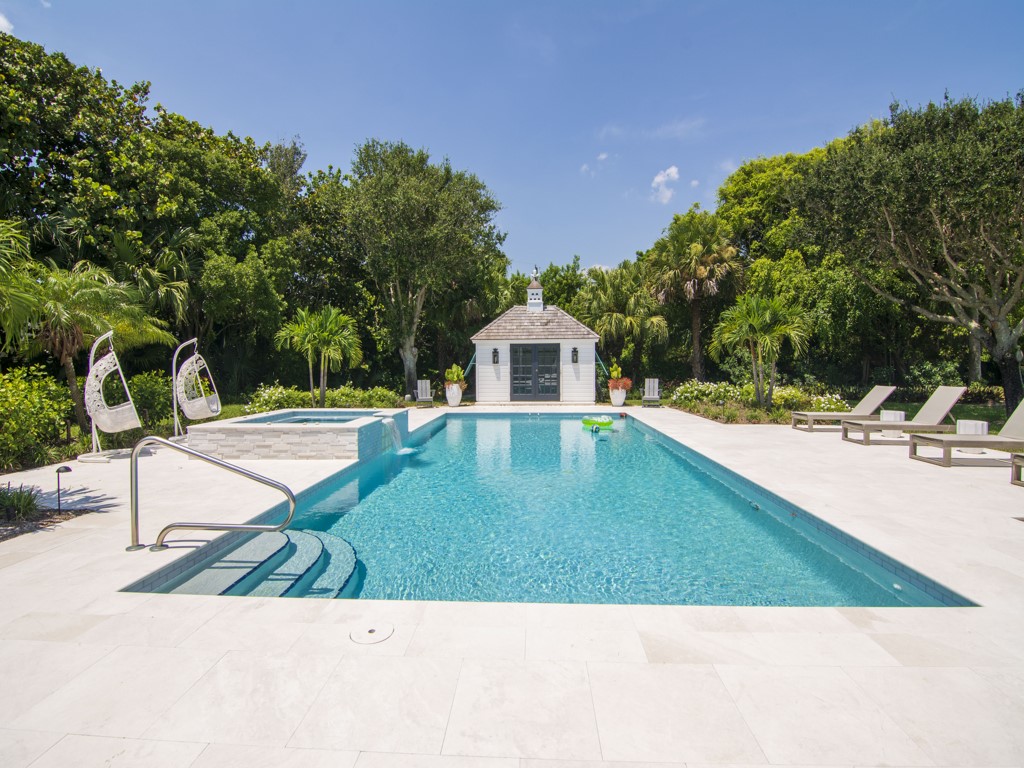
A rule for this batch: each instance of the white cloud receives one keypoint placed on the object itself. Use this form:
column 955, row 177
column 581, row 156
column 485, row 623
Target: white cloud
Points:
column 46, row 3
column 728, row 165
column 603, row 156
column 694, row 183
column 662, row 192
column 585, row 169
column 5, row 25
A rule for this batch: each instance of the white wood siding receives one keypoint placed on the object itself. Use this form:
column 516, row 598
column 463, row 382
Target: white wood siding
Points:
column 577, row 383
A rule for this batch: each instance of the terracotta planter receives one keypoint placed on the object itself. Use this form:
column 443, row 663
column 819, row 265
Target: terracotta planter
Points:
column 454, row 394
column 618, row 396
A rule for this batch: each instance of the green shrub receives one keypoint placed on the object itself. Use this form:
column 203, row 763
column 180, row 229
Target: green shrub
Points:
column 351, row 397
column 34, row 410
column 151, row 392
column 273, row 397
column 18, row 505
column 927, row 376
column 983, row 394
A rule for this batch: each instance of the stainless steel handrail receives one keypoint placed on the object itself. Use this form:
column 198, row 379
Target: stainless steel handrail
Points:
column 151, row 440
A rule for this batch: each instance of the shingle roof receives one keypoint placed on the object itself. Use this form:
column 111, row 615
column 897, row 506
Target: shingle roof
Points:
column 520, row 324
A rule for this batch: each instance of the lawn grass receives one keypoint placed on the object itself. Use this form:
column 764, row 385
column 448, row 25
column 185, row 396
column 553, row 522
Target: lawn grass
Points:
column 995, row 415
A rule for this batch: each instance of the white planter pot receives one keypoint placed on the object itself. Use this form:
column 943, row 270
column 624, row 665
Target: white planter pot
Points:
column 618, row 396
column 454, row 394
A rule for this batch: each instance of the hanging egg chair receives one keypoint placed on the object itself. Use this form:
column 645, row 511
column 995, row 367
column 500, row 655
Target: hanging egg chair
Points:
column 194, row 391
column 107, row 418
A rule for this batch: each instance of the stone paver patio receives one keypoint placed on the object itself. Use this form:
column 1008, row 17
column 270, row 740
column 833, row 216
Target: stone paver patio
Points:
column 92, row 676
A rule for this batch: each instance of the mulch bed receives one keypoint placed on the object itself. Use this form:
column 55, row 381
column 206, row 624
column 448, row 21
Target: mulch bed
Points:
column 44, row 518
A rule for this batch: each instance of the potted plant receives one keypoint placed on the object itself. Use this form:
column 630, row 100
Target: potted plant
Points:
column 454, row 384
column 618, row 385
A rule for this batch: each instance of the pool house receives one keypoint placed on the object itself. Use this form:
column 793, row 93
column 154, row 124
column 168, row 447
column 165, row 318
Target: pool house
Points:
column 536, row 353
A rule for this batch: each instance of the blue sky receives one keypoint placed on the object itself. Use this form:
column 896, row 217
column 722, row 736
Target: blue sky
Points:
column 591, row 122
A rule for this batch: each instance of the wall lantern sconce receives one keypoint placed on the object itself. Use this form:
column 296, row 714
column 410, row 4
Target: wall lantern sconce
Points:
column 494, row 355
column 575, row 355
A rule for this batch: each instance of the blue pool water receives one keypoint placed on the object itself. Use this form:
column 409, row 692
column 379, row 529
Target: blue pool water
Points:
column 537, row 509
column 308, row 416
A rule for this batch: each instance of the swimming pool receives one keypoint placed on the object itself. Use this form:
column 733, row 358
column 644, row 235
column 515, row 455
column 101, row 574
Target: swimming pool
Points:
column 539, row 509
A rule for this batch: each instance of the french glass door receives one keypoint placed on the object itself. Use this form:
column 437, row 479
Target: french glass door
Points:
column 535, row 369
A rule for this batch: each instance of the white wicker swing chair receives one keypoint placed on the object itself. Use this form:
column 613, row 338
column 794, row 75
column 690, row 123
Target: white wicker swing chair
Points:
column 106, row 418
column 190, row 383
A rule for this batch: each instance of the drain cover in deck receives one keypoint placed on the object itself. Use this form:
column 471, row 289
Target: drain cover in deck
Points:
column 375, row 633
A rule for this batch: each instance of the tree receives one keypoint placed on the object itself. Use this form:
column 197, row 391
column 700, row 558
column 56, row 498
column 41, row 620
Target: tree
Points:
column 18, row 300
column 76, row 306
column 760, row 326
column 938, row 194
column 692, row 260
column 620, row 306
column 327, row 333
column 417, row 229
column 298, row 334
column 336, row 339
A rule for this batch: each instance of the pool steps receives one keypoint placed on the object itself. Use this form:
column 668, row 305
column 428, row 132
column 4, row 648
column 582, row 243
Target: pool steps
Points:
column 252, row 557
column 291, row 563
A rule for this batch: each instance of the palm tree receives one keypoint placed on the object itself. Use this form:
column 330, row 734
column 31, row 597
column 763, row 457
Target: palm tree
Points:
column 337, row 339
column 620, row 306
column 18, row 299
column 160, row 269
column 77, row 305
column 297, row 334
column 761, row 326
column 327, row 333
column 693, row 259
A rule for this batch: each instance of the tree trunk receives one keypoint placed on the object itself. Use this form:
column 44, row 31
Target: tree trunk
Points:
column 974, row 359
column 756, row 373
column 771, row 387
column 1013, row 388
column 408, row 353
column 76, row 394
column 696, row 359
column 312, row 386
column 323, row 380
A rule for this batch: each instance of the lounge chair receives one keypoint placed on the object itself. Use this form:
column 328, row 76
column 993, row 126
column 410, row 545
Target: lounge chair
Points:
column 652, row 392
column 1016, row 469
column 864, row 410
column 423, row 394
column 927, row 419
column 1009, row 439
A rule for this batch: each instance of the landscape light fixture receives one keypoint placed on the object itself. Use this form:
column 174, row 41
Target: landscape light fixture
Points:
column 60, row 471
column 575, row 354
column 494, row 355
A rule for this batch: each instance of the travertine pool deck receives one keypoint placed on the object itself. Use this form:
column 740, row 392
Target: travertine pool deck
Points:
column 92, row 676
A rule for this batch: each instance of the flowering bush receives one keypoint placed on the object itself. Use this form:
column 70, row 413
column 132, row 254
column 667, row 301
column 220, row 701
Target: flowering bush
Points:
column 830, row 403
column 692, row 392
column 731, row 403
column 272, row 397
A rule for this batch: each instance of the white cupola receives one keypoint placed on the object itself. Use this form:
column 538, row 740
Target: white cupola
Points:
column 534, row 294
